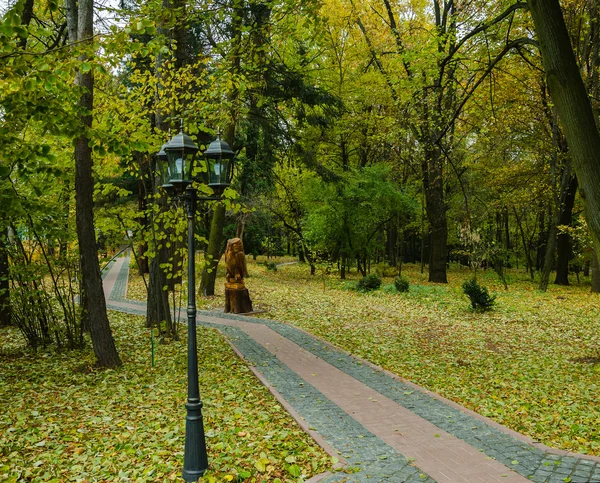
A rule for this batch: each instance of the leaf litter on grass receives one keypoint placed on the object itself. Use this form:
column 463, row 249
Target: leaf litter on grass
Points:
column 64, row 420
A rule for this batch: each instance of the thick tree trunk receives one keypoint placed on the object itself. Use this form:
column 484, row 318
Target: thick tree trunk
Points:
column 436, row 215
column 101, row 335
column 157, row 308
column 5, row 317
column 213, row 252
column 215, row 246
column 563, row 242
column 572, row 104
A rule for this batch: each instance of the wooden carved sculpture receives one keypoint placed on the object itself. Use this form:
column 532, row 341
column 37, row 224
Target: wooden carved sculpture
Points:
column 235, row 263
column 237, row 298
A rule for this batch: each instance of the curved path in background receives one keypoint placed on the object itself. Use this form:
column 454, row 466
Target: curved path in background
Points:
column 384, row 428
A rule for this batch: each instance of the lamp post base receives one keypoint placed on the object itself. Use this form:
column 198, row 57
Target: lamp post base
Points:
column 191, row 476
column 195, row 460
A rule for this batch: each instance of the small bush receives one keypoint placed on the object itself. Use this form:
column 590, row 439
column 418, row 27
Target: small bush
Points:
column 479, row 296
column 271, row 266
column 368, row 283
column 402, row 284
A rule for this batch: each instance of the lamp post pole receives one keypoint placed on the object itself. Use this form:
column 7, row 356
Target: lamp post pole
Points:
column 178, row 176
column 195, row 460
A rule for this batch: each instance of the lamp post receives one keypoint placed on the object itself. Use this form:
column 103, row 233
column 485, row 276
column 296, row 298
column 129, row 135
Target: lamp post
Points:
column 178, row 181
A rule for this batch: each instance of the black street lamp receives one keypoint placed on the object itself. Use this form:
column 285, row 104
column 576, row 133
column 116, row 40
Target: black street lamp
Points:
column 178, row 181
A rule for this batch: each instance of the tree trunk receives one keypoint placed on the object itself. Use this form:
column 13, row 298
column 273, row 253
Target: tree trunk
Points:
column 542, row 240
column 595, row 274
column 392, row 242
column 157, row 307
column 526, row 247
column 563, row 246
column 143, row 182
column 5, row 317
column 436, row 215
column 26, row 17
column 548, row 258
column 215, row 247
column 101, row 335
column 213, row 252
column 507, row 240
column 572, row 104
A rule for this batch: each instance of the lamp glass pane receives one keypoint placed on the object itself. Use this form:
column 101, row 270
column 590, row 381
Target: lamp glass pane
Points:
column 218, row 171
column 180, row 165
column 189, row 165
column 175, row 165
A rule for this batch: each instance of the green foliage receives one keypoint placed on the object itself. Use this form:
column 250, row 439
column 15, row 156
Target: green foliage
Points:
column 369, row 283
column 343, row 219
column 478, row 295
column 43, row 295
column 402, row 284
column 271, row 266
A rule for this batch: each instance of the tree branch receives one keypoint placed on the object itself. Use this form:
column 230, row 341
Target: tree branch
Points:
column 515, row 44
column 481, row 28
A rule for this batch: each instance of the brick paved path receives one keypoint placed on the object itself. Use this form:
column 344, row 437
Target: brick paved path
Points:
column 382, row 427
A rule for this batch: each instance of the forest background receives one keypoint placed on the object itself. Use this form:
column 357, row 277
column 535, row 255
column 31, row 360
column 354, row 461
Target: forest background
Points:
column 377, row 133
column 368, row 135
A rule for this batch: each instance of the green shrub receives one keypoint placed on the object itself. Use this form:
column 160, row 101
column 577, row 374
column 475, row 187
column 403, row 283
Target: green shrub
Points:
column 402, row 284
column 368, row 283
column 479, row 296
column 271, row 266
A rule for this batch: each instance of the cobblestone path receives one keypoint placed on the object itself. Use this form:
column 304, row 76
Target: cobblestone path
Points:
column 383, row 428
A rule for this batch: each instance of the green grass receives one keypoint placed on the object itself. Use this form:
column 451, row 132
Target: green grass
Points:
column 63, row 420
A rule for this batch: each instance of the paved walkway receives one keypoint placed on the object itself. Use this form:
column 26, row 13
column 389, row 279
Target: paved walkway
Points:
column 383, row 428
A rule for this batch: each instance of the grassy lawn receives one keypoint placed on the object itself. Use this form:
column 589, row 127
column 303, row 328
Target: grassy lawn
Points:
column 62, row 420
column 532, row 364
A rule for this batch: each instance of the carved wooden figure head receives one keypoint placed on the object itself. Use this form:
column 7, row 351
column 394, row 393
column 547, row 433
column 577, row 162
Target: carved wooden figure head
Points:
column 235, row 260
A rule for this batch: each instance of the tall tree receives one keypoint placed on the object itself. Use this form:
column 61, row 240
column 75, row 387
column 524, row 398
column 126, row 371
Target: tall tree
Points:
column 100, row 332
column 215, row 247
column 442, row 87
column 572, row 103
